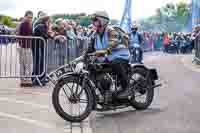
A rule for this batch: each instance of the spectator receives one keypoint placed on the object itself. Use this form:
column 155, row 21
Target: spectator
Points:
column 159, row 41
column 146, row 40
column 60, row 40
column 25, row 55
column 151, row 42
column 166, row 42
column 37, row 20
column 41, row 30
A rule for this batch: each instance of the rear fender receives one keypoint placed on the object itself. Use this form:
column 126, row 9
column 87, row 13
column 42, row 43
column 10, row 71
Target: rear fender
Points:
column 134, row 66
column 153, row 72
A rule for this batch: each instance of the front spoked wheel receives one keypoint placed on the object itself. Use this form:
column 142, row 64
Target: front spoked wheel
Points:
column 71, row 101
column 143, row 92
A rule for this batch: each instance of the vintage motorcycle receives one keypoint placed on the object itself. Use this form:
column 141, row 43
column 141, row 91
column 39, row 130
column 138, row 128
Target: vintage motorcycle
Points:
column 89, row 86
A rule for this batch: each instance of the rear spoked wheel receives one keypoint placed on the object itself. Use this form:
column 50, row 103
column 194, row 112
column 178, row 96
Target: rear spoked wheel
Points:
column 143, row 92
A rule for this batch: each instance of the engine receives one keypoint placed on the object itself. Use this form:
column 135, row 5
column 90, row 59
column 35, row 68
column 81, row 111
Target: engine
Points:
column 106, row 82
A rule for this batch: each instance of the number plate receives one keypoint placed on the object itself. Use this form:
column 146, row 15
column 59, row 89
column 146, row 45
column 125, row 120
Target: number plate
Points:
column 59, row 72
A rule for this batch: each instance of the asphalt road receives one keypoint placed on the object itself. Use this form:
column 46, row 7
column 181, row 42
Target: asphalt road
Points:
column 174, row 109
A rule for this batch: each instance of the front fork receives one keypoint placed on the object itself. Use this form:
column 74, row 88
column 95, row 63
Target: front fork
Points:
column 86, row 82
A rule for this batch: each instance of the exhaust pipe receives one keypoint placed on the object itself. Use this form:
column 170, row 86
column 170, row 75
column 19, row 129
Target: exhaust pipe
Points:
column 156, row 86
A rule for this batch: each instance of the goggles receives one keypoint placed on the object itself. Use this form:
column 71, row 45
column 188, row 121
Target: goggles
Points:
column 96, row 18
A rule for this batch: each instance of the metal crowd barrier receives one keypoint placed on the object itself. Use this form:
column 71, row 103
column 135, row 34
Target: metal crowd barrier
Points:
column 197, row 50
column 33, row 57
column 60, row 54
column 22, row 56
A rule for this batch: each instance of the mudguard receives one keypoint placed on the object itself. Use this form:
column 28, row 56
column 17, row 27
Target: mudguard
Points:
column 134, row 66
column 75, row 74
column 154, row 74
column 153, row 71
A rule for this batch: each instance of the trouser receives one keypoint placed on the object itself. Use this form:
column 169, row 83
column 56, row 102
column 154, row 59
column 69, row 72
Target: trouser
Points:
column 120, row 68
column 38, row 62
column 133, row 55
column 25, row 61
column 166, row 48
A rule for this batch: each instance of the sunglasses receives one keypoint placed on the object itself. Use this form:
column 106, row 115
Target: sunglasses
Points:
column 134, row 28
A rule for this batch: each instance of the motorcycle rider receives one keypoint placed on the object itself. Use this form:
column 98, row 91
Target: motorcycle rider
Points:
column 136, row 38
column 105, row 43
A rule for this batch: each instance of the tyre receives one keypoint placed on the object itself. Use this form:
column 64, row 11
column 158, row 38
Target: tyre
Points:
column 74, row 94
column 146, row 89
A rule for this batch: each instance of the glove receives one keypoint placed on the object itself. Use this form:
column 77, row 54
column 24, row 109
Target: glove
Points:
column 100, row 53
column 109, row 51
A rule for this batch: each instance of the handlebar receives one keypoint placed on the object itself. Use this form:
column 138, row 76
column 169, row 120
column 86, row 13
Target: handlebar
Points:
column 91, row 54
column 83, row 57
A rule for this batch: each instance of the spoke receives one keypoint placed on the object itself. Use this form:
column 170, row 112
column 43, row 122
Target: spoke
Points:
column 76, row 110
column 77, row 88
column 65, row 93
column 138, row 95
column 139, row 84
column 80, row 108
column 72, row 109
column 81, row 91
column 141, row 98
column 73, row 88
column 70, row 89
column 83, row 101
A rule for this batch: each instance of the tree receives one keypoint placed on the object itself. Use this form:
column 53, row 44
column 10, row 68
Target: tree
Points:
column 86, row 21
column 80, row 18
column 169, row 18
column 7, row 21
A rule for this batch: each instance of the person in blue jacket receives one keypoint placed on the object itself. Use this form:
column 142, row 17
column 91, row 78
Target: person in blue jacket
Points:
column 136, row 39
column 109, row 47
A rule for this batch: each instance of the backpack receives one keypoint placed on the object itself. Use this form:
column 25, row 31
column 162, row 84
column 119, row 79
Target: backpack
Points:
column 123, row 36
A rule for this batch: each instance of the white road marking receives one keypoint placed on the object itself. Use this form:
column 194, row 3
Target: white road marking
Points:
column 31, row 121
column 39, row 123
column 29, row 91
column 79, row 130
column 25, row 103
column 14, row 89
column 46, row 125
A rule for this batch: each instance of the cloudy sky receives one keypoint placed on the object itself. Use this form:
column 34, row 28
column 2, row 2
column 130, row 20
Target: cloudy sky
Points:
column 140, row 8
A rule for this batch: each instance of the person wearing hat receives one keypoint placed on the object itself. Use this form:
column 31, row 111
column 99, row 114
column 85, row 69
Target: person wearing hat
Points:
column 38, row 49
column 36, row 19
column 106, row 41
column 60, row 41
